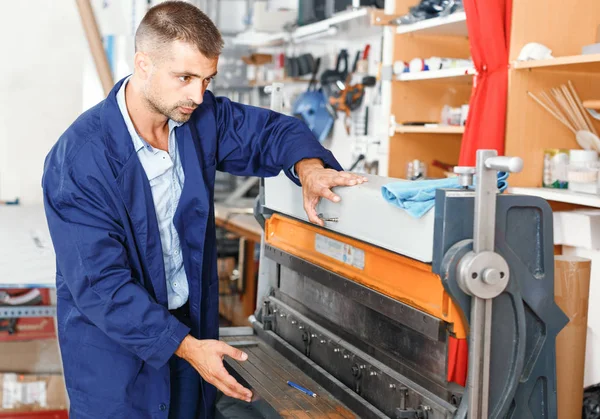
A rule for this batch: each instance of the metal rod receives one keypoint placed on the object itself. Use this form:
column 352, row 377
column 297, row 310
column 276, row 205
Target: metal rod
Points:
column 475, row 383
column 27, row 311
column 487, row 343
column 483, row 240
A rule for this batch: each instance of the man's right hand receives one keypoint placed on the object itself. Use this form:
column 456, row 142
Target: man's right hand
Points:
column 207, row 357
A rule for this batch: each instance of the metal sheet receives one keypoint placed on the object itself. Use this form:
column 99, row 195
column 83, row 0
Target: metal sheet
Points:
column 375, row 382
column 267, row 372
column 328, row 381
column 388, row 227
column 235, row 331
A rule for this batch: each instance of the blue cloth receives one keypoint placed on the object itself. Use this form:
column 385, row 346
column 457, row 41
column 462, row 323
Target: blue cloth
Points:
column 165, row 174
column 418, row 197
column 115, row 332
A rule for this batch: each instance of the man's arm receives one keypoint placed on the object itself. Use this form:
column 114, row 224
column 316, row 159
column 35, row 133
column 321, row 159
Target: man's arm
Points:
column 258, row 142
column 91, row 257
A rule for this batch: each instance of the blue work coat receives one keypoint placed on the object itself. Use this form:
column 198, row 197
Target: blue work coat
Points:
column 115, row 332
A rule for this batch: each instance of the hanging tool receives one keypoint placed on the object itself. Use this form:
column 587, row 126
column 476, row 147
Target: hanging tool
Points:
column 351, row 98
column 351, row 95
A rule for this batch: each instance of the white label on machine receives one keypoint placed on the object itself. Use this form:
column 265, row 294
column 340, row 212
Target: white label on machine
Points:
column 17, row 393
column 340, row 251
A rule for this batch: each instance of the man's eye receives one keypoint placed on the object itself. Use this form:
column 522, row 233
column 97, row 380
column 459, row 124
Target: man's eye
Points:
column 184, row 79
column 207, row 81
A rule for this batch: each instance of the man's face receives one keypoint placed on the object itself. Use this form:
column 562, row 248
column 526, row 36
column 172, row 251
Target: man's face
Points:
column 178, row 79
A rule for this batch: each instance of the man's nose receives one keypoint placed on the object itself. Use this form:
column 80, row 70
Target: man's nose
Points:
column 197, row 94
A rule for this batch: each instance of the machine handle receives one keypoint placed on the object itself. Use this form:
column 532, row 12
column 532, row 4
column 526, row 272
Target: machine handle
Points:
column 504, row 164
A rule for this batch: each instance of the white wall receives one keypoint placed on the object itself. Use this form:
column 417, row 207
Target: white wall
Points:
column 40, row 88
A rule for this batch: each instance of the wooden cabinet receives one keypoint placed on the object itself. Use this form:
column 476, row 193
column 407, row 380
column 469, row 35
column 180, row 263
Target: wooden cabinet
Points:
column 421, row 96
column 564, row 28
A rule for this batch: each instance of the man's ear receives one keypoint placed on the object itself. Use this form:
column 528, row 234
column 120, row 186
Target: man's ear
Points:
column 143, row 64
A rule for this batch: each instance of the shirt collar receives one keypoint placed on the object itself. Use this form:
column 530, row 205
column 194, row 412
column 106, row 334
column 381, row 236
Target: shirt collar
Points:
column 138, row 141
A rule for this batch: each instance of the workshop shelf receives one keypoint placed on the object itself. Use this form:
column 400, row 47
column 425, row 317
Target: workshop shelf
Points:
column 530, row 129
column 325, row 27
column 592, row 104
column 559, row 195
column 424, row 96
column 572, row 63
column 284, row 81
column 442, row 129
column 457, row 75
column 451, row 25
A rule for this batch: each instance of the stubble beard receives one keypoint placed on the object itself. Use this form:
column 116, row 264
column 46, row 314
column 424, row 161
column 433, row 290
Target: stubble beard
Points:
column 155, row 104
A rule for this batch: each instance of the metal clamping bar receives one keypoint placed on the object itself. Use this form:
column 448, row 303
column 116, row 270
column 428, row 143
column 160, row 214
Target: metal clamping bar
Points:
column 484, row 275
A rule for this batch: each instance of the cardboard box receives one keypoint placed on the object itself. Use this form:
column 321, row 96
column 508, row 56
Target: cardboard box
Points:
column 592, row 354
column 31, row 357
column 32, row 393
column 571, row 293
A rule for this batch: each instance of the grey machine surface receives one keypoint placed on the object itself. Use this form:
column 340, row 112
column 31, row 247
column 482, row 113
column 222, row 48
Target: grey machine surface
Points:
column 382, row 357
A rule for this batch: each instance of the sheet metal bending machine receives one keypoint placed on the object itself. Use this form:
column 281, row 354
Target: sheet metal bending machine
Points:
column 448, row 316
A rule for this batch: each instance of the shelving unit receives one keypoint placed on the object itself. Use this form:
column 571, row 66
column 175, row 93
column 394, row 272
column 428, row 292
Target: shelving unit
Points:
column 592, row 104
column 422, row 96
column 458, row 75
column 529, row 128
column 284, row 81
column 573, row 63
column 327, row 27
column 452, row 25
column 559, row 195
column 443, row 129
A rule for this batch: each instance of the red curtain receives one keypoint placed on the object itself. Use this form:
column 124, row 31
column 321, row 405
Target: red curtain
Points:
column 488, row 22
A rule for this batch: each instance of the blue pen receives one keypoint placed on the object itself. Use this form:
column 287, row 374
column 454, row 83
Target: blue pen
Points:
column 302, row 389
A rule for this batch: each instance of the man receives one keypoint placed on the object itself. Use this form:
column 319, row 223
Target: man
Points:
column 128, row 192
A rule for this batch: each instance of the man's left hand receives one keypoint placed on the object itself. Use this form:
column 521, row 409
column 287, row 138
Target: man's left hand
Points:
column 317, row 183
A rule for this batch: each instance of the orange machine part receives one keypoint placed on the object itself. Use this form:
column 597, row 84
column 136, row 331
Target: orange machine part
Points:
column 396, row 276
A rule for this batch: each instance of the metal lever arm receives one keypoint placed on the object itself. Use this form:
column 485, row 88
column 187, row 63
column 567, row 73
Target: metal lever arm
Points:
column 504, row 164
column 484, row 275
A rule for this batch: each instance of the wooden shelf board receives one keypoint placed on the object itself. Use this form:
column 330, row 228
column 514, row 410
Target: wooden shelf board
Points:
column 452, row 25
column 341, row 17
column 458, row 75
column 409, row 129
column 559, row 195
column 574, row 63
column 284, row 81
column 592, row 104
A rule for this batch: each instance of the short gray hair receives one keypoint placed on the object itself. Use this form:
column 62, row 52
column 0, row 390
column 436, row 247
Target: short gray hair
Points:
column 179, row 21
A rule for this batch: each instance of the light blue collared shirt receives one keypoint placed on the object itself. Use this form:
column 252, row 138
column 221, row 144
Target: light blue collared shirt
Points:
column 165, row 173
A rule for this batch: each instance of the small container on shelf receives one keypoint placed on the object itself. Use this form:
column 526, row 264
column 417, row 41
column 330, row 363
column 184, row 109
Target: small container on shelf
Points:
column 416, row 170
column 582, row 171
column 556, row 162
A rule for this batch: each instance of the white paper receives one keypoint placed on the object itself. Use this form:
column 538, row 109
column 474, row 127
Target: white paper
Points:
column 16, row 393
